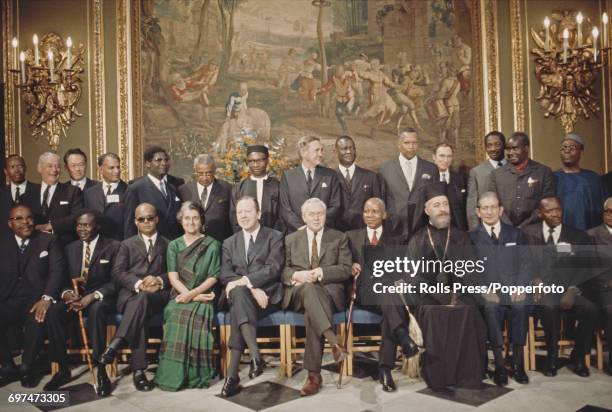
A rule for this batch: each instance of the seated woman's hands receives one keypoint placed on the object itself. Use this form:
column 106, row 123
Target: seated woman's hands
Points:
column 204, row 297
column 186, row 297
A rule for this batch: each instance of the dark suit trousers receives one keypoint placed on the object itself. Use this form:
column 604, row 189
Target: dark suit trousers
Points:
column 14, row 311
column 58, row 321
column 244, row 309
column 584, row 311
column 313, row 300
column 134, row 326
column 495, row 315
column 394, row 316
column 603, row 299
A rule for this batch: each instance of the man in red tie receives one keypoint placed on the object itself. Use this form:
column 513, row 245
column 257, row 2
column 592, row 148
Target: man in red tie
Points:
column 395, row 318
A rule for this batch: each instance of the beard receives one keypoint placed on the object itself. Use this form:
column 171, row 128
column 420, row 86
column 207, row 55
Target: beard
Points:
column 441, row 221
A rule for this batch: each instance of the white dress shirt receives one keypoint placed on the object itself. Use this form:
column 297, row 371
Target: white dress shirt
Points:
column 445, row 176
column 22, row 189
column 555, row 235
column 146, row 242
column 609, row 229
column 43, row 187
column 496, row 227
column 351, row 170
column 259, row 182
column 201, row 190
column 79, row 183
column 157, row 182
column 92, row 247
column 247, row 238
column 113, row 186
column 378, row 231
column 312, row 172
column 409, row 174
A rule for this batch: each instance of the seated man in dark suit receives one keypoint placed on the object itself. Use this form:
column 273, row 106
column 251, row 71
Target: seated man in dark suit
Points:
column 108, row 196
column 32, row 274
column 503, row 246
column 357, row 185
column 154, row 188
column 600, row 288
column 19, row 190
column 141, row 276
column 57, row 204
column 262, row 187
column 75, row 162
column 394, row 328
column 560, row 248
column 90, row 260
column 309, row 180
column 317, row 265
column 252, row 261
column 213, row 194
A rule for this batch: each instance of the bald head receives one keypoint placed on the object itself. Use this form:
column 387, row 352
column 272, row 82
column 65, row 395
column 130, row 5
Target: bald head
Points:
column 146, row 219
column 374, row 213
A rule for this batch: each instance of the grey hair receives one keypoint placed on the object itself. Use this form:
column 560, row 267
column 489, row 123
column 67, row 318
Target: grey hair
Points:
column 608, row 200
column 379, row 202
column 304, row 140
column 312, row 202
column 45, row 157
column 488, row 195
column 203, row 159
column 187, row 206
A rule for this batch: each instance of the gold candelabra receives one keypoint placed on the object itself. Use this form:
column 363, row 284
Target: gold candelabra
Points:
column 50, row 84
column 567, row 64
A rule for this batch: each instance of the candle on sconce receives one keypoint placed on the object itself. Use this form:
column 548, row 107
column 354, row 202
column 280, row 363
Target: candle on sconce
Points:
column 36, row 56
column 15, row 43
column 579, row 19
column 547, row 27
column 565, row 44
column 604, row 20
column 51, row 65
column 23, row 67
column 595, row 34
column 68, row 52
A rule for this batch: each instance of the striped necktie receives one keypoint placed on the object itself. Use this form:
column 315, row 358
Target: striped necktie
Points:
column 87, row 261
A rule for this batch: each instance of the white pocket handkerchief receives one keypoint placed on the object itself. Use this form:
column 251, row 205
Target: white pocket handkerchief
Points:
column 112, row 198
column 176, row 198
column 323, row 184
column 64, row 202
column 563, row 247
column 103, row 261
column 43, row 254
column 425, row 176
column 511, row 244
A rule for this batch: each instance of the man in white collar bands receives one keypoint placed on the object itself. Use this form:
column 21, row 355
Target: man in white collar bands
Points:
column 260, row 186
column 317, row 266
column 141, row 275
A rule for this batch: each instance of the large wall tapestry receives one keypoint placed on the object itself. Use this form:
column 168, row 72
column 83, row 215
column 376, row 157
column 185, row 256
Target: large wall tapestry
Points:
column 216, row 72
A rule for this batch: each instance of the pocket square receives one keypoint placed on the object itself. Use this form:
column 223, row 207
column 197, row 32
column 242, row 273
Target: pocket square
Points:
column 323, row 184
column 64, row 202
column 511, row 244
column 365, row 187
column 103, row 261
column 43, row 254
column 176, row 199
column 462, row 190
column 425, row 176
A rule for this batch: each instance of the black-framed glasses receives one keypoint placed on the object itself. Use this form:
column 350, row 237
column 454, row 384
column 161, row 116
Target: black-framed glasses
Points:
column 144, row 219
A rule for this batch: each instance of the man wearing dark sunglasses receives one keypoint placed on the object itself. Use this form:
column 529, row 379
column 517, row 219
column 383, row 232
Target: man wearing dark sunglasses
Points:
column 32, row 273
column 141, row 276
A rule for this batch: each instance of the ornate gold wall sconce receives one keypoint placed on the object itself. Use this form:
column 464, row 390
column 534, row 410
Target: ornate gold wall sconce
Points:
column 567, row 64
column 48, row 77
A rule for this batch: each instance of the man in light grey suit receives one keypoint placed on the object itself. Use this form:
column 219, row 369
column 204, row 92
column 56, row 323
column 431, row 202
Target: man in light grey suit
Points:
column 404, row 177
column 480, row 176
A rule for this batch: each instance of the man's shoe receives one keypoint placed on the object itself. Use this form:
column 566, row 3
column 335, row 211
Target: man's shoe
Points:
column 409, row 348
column 111, row 351
column 141, row 382
column 103, row 383
column 386, row 380
column 339, row 353
column 520, row 376
column 256, row 368
column 8, row 375
column 58, row 380
column 608, row 369
column 230, row 387
column 28, row 378
column 312, row 385
column 580, row 368
column 550, row 369
column 500, row 376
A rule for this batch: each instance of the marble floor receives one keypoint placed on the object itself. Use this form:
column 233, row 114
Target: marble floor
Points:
column 566, row 392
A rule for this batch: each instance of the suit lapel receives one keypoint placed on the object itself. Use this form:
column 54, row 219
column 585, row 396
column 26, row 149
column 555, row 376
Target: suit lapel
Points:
column 324, row 241
column 342, row 179
column 356, row 180
column 303, row 245
column 214, row 193
column 59, row 189
column 158, row 194
column 316, row 179
column 261, row 238
column 241, row 248
column 28, row 253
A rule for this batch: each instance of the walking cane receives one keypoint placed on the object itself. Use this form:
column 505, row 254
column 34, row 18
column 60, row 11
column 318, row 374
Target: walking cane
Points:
column 75, row 286
column 348, row 325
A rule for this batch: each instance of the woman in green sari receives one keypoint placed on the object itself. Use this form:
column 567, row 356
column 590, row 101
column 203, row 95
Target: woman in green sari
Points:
column 194, row 262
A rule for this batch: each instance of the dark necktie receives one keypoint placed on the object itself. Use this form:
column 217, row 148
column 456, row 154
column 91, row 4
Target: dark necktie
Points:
column 109, row 190
column 87, row 261
column 309, row 181
column 17, row 194
column 22, row 246
column 494, row 236
column 314, row 253
column 499, row 164
column 45, row 202
column 374, row 240
column 204, row 197
column 347, row 176
column 150, row 251
column 162, row 187
column 550, row 240
column 251, row 250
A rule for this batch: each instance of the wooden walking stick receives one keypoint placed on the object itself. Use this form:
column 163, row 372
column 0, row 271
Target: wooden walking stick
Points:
column 75, row 286
column 347, row 327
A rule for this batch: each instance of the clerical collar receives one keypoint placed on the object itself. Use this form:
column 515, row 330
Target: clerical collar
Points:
column 259, row 178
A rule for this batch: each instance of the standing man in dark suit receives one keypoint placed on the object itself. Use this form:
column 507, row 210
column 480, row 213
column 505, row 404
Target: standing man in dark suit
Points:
column 357, row 185
column 57, row 204
column 252, row 261
column 19, row 190
column 108, row 196
column 394, row 328
column 32, row 273
column 563, row 244
column 504, row 248
column 600, row 288
column 141, row 276
column 480, row 176
column 213, row 194
column 317, row 265
column 154, row 188
column 403, row 177
column 521, row 183
column 75, row 162
column 455, row 181
column 306, row 181
column 260, row 186
column 90, row 259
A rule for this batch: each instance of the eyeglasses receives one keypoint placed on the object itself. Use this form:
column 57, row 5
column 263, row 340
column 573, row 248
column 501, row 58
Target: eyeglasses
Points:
column 569, row 148
column 608, row 212
column 20, row 219
column 144, row 219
